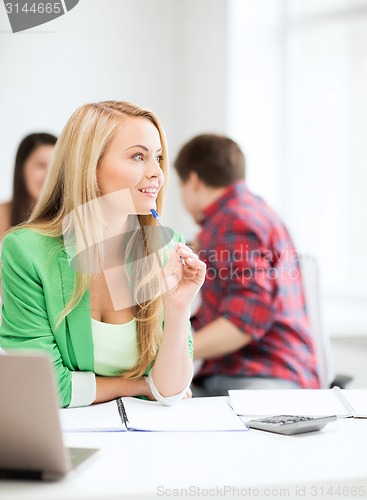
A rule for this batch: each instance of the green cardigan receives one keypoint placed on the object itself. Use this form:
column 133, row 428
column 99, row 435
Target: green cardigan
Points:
column 37, row 283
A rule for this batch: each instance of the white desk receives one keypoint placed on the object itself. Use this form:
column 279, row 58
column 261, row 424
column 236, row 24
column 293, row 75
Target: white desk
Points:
column 135, row 465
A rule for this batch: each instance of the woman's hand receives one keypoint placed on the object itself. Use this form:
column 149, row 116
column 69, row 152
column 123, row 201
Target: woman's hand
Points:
column 183, row 276
column 188, row 395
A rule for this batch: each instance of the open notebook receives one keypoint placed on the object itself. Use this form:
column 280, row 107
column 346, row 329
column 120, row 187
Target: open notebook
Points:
column 317, row 402
column 132, row 414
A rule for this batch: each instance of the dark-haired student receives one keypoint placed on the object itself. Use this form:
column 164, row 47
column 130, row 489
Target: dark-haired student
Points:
column 252, row 330
column 32, row 160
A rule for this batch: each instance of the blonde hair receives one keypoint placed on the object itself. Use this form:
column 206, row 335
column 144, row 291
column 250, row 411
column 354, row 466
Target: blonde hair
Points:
column 71, row 184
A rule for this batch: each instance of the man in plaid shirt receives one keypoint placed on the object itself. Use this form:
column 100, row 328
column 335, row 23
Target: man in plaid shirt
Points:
column 251, row 329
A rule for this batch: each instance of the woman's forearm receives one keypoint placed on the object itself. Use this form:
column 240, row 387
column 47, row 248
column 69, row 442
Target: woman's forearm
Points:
column 173, row 368
column 109, row 388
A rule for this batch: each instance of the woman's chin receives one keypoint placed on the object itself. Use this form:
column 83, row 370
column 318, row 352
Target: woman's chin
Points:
column 145, row 208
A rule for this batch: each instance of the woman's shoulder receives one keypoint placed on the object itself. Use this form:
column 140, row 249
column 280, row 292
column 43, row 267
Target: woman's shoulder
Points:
column 5, row 207
column 5, row 212
column 29, row 239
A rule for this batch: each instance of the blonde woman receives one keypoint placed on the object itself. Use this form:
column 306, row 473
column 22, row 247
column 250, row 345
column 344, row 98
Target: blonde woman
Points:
column 90, row 279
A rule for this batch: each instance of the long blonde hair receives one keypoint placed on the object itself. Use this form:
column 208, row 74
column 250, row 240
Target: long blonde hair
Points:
column 71, row 183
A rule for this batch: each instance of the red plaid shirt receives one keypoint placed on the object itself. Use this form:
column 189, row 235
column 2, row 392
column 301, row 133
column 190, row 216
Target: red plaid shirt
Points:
column 253, row 280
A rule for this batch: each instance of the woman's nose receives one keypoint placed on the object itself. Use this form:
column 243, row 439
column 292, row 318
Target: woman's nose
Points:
column 154, row 169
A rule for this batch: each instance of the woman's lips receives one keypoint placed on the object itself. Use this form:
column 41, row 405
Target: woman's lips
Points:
column 151, row 192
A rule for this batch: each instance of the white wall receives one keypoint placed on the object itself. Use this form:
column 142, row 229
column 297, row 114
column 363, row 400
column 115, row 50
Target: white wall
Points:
column 255, row 91
column 298, row 105
column 200, row 102
column 166, row 55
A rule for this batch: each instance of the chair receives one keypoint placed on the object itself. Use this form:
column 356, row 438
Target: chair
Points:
column 311, row 283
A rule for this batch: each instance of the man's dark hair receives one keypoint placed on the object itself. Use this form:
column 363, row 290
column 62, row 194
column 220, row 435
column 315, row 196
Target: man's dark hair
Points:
column 217, row 160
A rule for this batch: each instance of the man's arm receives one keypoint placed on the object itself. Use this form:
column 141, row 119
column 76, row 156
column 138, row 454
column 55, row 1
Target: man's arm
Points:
column 243, row 295
column 218, row 338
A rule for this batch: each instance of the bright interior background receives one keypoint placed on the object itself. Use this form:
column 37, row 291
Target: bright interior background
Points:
column 286, row 79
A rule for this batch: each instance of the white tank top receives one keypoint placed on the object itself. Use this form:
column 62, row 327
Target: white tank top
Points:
column 115, row 348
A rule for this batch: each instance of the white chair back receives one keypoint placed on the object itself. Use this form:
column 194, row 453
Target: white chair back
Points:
column 311, row 284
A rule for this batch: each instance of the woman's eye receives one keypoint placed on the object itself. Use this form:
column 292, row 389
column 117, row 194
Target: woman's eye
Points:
column 41, row 166
column 138, row 157
column 159, row 159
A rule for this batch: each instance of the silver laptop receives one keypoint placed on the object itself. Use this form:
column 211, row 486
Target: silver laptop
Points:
column 31, row 442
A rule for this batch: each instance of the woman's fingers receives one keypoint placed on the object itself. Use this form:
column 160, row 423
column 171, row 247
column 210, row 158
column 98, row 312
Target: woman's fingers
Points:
column 185, row 265
column 193, row 266
column 188, row 394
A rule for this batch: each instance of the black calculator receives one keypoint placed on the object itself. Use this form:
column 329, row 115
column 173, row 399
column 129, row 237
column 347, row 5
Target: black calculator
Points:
column 289, row 424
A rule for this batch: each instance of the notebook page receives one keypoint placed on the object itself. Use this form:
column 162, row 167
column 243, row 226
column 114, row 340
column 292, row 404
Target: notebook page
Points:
column 357, row 398
column 317, row 402
column 196, row 414
column 99, row 417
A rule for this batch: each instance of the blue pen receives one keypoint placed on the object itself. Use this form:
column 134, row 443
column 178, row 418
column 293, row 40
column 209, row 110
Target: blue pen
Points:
column 165, row 232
